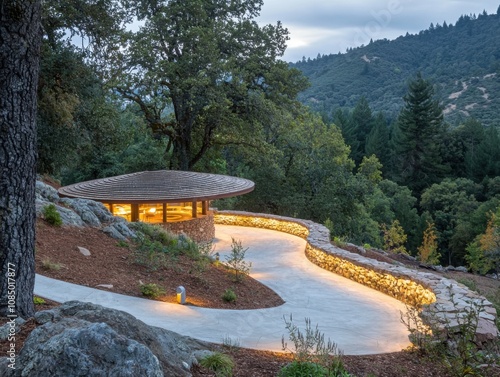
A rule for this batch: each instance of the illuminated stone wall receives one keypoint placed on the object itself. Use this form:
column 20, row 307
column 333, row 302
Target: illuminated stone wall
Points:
column 438, row 295
column 201, row 229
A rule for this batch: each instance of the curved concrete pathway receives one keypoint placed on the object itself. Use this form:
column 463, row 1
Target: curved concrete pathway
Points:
column 359, row 319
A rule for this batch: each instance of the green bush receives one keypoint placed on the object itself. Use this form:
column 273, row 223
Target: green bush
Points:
column 219, row 363
column 38, row 300
column 155, row 247
column 229, row 295
column 51, row 215
column 303, row 369
column 152, row 290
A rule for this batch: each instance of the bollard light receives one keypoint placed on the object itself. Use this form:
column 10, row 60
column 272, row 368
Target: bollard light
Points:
column 181, row 295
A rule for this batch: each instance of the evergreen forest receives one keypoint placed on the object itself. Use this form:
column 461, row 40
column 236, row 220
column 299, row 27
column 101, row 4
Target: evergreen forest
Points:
column 394, row 144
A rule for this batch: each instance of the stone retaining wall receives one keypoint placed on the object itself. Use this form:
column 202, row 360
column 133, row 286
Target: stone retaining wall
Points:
column 201, row 229
column 440, row 297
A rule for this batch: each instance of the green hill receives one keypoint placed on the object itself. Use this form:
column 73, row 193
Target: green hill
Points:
column 461, row 60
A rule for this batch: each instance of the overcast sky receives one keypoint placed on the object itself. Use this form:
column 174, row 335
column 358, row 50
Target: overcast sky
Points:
column 329, row 26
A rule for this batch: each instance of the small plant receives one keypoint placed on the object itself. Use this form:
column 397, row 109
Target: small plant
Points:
column 122, row 243
column 310, row 347
column 236, row 261
column 329, row 225
column 367, row 246
column 48, row 265
column 38, row 300
column 339, row 241
column 51, row 215
column 231, row 344
column 219, row 363
column 152, row 290
column 298, row 369
column 229, row 295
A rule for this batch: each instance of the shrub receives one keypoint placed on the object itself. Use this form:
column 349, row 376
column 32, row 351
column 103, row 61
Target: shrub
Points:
column 394, row 238
column 310, row 347
column 152, row 290
column 229, row 295
column 339, row 241
column 155, row 248
column 298, row 369
column 235, row 260
column 51, row 215
column 219, row 363
column 38, row 300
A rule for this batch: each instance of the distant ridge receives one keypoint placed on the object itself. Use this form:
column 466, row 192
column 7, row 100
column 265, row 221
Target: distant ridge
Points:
column 461, row 60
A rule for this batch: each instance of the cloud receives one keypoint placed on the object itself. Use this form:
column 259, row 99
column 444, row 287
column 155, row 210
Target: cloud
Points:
column 325, row 26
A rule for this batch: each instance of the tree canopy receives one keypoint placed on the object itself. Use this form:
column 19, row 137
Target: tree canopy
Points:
column 201, row 72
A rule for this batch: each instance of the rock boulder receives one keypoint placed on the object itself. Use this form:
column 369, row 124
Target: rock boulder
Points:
column 92, row 340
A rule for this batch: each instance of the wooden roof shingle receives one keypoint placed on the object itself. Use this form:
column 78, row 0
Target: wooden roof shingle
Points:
column 167, row 186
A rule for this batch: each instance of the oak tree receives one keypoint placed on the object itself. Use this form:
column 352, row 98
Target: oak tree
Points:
column 202, row 72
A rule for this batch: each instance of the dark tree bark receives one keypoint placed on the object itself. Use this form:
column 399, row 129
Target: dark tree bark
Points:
column 20, row 38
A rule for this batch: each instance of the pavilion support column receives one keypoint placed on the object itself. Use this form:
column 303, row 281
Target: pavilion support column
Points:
column 194, row 209
column 135, row 212
column 204, row 207
column 164, row 212
column 111, row 208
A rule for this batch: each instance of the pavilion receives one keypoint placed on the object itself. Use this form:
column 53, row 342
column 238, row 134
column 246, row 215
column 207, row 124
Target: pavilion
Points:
column 180, row 200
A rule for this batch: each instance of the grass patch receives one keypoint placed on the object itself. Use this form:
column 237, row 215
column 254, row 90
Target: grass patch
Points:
column 221, row 364
column 48, row 265
column 38, row 300
column 469, row 283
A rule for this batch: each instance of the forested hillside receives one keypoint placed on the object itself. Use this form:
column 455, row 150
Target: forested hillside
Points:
column 461, row 60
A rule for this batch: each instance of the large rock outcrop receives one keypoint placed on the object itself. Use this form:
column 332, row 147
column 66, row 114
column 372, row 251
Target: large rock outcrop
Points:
column 81, row 212
column 84, row 339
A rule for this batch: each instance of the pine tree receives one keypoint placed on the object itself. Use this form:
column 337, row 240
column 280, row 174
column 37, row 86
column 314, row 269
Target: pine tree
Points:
column 418, row 158
column 377, row 142
column 362, row 123
column 343, row 120
column 485, row 161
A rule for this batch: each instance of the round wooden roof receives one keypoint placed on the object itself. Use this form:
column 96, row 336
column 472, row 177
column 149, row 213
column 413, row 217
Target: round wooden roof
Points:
column 162, row 186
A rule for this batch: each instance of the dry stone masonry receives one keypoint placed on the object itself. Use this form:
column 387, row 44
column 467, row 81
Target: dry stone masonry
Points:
column 441, row 298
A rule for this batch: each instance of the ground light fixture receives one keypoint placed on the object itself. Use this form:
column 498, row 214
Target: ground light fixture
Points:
column 181, row 295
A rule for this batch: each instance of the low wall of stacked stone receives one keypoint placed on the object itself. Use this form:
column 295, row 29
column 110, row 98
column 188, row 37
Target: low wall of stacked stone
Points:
column 441, row 298
column 201, row 229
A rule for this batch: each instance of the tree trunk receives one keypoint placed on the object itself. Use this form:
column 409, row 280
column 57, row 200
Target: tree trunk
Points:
column 20, row 38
